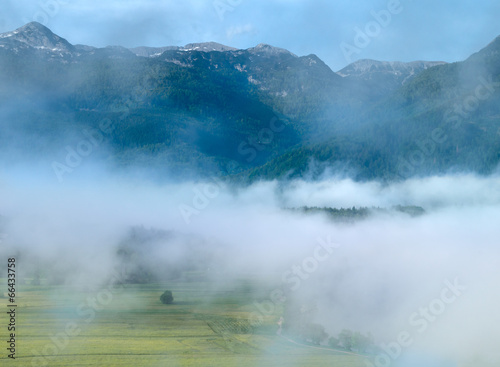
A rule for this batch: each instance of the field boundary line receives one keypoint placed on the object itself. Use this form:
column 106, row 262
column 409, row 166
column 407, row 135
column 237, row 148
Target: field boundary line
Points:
column 328, row 349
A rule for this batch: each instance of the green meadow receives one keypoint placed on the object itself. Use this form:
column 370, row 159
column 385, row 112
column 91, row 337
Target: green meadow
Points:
column 127, row 325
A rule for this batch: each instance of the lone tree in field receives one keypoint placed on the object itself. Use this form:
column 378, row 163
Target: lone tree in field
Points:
column 167, row 298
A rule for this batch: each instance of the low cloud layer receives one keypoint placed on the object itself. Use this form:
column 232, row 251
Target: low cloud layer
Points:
column 378, row 277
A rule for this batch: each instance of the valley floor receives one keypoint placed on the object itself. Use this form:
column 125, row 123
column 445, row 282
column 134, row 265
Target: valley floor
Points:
column 59, row 326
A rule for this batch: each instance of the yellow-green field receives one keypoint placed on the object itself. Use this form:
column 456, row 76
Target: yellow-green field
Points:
column 57, row 326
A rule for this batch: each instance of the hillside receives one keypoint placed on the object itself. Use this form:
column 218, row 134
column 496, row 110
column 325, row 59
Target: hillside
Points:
column 263, row 112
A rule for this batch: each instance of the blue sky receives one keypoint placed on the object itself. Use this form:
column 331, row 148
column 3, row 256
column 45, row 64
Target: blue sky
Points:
column 406, row 30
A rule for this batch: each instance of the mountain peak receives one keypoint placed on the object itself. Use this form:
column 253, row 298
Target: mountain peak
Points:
column 364, row 67
column 207, row 47
column 29, row 28
column 38, row 36
column 269, row 50
column 34, row 26
column 202, row 47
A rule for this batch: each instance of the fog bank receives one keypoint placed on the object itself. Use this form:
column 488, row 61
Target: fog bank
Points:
column 374, row 275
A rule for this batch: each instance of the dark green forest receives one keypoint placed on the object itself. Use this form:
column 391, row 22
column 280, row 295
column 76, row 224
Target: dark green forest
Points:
column 261, row 113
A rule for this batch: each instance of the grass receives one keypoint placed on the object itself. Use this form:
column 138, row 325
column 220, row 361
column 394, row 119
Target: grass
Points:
column 132, row 328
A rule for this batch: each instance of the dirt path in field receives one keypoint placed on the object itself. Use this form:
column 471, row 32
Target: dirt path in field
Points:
column 328, row 349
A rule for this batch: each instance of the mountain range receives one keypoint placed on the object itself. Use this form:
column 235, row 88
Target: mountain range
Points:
column 207, row 109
